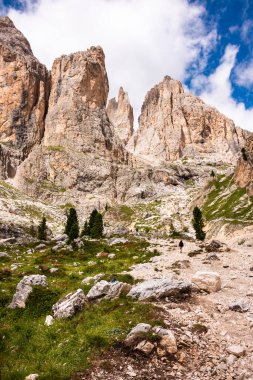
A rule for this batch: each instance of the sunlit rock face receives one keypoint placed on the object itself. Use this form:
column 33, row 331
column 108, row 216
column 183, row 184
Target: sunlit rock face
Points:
column 25, row 85
column 121, row 116
column 174, row 124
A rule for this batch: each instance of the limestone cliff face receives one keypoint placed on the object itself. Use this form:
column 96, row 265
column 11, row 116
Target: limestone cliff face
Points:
column 174, row 124
column 79, row 150
column 24, row 94
column 121, row 116
column 244, row 169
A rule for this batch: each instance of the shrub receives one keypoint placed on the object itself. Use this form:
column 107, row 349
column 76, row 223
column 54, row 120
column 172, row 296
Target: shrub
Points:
column 244, row 154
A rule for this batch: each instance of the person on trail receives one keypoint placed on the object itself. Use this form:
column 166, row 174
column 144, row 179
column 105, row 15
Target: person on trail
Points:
column 181, row 244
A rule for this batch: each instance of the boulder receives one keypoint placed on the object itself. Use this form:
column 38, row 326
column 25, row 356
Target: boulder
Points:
column 137, row 334
column 24, row 288
column 236, row 350
column 168, row 343
column 108, row 290
column 69, row 305
column 208, row 281
column 99, row 290
column 239, row 305
column 160, row 288
column 115, row 241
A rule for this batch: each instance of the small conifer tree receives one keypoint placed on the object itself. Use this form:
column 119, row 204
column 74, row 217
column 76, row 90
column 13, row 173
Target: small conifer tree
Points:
column 74, row 232
column 198, row 224
column 85, row 230
column 212, row 174
column 42, row 229
column 244, row 154
column 71, row 219
column 96, row 230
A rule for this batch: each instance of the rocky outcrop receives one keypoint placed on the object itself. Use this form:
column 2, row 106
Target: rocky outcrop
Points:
column 23, row 98
column 121, row 115
column 244, row 169
column 79, row 152
column 67, row 306
column 24, row 288
column 174, row 124
column 208, row 281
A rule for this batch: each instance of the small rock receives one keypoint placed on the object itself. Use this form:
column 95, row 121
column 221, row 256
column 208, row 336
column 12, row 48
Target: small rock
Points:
column 4, row 254
column 118, row 241
column 236, row 350
column 240, row 306
column 102, row 254
column 111, row 256
column 145, row 347
column 208, row 281
column 40, row 246
column 168, row 343
column 33, row 376
column 136, row 333
column 99, row 290
column 53, row 270
column 49, row 320
column 231, row 359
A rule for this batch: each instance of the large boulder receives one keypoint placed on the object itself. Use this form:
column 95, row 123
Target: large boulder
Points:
column 208, row 281
column 160, row 288
column 69, row 305
column 24, row 288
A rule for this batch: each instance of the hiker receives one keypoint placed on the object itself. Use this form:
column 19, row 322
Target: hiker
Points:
column 181, row 244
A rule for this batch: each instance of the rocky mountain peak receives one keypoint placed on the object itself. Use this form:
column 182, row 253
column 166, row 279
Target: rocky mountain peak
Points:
column 174, row 124
column 23, row 98
column 120, row 113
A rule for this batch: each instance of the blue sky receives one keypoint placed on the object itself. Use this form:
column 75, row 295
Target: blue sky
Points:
column 207, row 44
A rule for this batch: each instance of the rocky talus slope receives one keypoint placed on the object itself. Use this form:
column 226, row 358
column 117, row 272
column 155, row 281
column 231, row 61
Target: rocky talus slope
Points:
column 25, row 85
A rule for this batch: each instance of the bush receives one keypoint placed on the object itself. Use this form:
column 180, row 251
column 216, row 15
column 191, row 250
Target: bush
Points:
column 244, row 154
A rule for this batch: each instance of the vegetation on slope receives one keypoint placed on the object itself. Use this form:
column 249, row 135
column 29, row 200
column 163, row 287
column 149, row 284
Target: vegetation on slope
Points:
column 27, row 345
column 228, row 202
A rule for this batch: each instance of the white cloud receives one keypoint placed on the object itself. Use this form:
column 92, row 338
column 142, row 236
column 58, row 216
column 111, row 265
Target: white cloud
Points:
column 143, row 39
column 244, row 74
column 217, row 90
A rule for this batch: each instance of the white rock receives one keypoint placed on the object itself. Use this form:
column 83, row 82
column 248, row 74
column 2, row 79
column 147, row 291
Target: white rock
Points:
column 118, row 241
column 33, row 376
column 69, row 305
column 49, row 320
column 53, row 270
column 160, row 288
column 168, row 343
column 145, row 347
column 99, row 290
column 24, row 288
column 236, row 350
column 111, row 256
column 209, row 281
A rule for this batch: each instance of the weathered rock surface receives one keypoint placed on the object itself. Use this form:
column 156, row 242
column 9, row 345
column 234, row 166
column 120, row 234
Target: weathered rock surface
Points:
column 69, row 305
column 209, row 281
column 174, row 123
column 160, row 288
column 24, row 288
column 79, row 151
column 24, row 95
column 244, row 169
column 236, row 350
column 108, row 290
column 121, row 116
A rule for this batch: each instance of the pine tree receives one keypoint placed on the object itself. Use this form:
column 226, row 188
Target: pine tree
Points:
column 244, row 154
column 198, row 224
column 96, row 230
column 91, row 221
column 212, row 174
column 71, row 220
column 85, row 230
column 42, row 229
column 74, row 232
